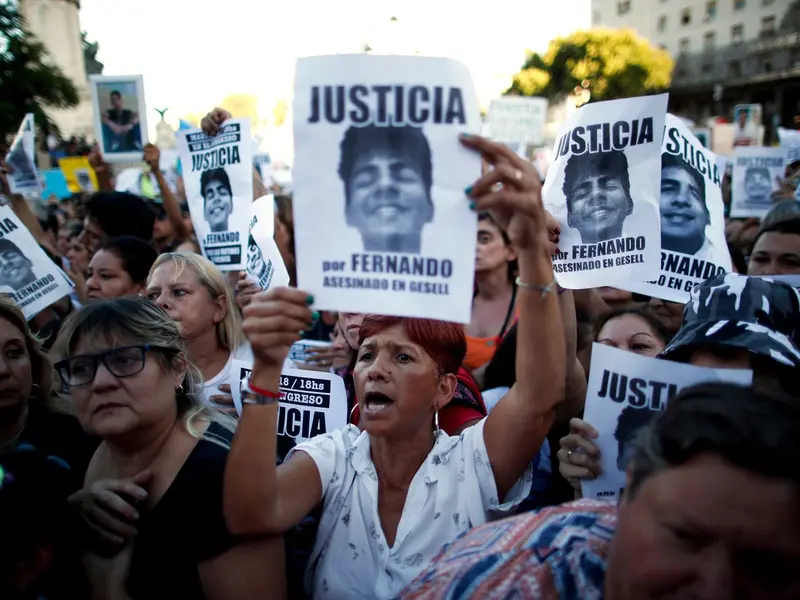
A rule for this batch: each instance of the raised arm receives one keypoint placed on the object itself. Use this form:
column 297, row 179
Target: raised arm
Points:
column 152, row 156
column 260, row 498
column 515, row 429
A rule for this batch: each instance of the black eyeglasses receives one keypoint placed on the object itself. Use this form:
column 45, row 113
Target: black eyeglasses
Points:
column 120, row 362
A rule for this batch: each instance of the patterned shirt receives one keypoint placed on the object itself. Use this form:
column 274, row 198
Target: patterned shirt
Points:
column 453, row 491
column 557, row 553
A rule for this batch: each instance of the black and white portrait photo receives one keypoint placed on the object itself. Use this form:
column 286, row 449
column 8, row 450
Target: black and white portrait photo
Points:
column 120, row 116
column 387, row 176
column 217, row 173
column 598, row 192
column 630, row 421
column 684, row 215
column 16, row 270
column 756, row 174
column 24, row 176
column 215, row 186
column 380, row 213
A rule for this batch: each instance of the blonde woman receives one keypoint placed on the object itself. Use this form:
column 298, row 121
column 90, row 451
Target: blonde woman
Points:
column 194, row 294
column 152, row 494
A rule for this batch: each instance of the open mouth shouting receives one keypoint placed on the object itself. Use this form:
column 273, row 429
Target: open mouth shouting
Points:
column 375, row 402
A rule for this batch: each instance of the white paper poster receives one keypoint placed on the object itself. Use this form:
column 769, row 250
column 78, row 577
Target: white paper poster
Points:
column 747, row 126
column 264, row 261
column 24, row 177
column 32, row 280
column 756, row 172
column 311, row 403
column 299, row 355
column 625, row 391
column 382, row 224
column 693, row 246
column 790, row 139
column 517, row 119
column 262, row 161
column 603, row 188
column 218, row 178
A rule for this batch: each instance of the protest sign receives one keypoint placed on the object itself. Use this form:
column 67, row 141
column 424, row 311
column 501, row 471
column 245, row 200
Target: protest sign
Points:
column 790, row 139
column 517, row 119
column 382, row 224
column 79, row 174
column 120, row 116
column 24, row 178
column 264, row 261
column 747, row 128
column 262, row 161
column 27, row 274
column 625, row 391
column 311, row 403
column 756, row 172
column 55, row 184
column 218, row 178
column 603, row 188
column 693, row 246
column 703, row 135
column 299, row 353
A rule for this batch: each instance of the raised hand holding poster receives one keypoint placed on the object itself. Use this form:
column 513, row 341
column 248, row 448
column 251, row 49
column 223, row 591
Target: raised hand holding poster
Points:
column 24, row 178
column 693, row 246
column 218, row 178
column 27, row 274
column 603, row 188
column 264, row 261
column 382, row 224
column 625, row 391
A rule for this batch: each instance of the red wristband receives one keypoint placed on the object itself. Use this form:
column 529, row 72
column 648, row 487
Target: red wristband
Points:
column 263, row 392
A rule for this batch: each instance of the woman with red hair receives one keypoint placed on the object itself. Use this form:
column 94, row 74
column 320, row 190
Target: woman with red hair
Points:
column 398, row 489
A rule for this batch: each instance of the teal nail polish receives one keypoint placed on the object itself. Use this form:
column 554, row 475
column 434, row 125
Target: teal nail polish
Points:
column 466, row 135
column 309, row 299
column 472, row 206
column 468, row 190
column 315, row 316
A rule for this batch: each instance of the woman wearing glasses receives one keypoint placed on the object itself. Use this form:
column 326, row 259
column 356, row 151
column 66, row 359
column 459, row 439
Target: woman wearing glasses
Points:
column 157, row 473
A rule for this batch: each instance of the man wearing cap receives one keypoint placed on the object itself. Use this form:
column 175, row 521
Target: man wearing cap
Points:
column 684, row 214
column 598, row 192
column 215, row 185
column 16, row 270
column 387, row 177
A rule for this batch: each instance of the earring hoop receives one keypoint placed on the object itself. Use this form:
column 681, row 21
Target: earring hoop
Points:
column 35, row 390
column 179, row 389
column 436, row 421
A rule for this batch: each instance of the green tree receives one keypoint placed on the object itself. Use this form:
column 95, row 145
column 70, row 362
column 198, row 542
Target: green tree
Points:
column 610, row 63
column 93, row 66
column 28, row 82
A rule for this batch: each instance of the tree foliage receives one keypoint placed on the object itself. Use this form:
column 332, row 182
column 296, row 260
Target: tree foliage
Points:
column 241, row 106
column 28, row 80
column 92, row 65
column 612, row 63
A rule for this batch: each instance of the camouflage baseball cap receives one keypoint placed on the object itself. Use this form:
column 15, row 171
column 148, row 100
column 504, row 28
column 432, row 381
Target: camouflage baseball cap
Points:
column 755, row 313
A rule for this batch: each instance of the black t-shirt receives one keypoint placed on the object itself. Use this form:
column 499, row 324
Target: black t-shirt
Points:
column 185, row 528
column 60, row 435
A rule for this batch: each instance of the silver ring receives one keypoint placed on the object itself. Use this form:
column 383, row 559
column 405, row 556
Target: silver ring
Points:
column 569, row 456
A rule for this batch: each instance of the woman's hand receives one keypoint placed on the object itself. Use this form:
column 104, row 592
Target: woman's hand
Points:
column 579, row 457
column 107, row 507
column 79, row 279
column 511, row 192
column 224, row 402
column 213, row 120
column 246, row 288
column 152, row 156
column 274, row 320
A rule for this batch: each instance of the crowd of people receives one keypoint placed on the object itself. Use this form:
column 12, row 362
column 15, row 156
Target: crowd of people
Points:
column 126, row 472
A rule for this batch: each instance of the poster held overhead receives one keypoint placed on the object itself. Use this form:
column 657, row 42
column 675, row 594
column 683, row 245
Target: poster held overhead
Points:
column 120, row 116
column 693, row 245
column 602, row 187
column 756, row 171
column 264, row 261
column 218, row 178
column 379, row 175
column 27, row 274
column 79, row 174
column 24, row 178
column 517, row 119
column 625, row 391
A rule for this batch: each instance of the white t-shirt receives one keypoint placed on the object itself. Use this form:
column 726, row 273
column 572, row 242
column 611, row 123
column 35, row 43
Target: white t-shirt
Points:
column 211, row 386
column 453, row 491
